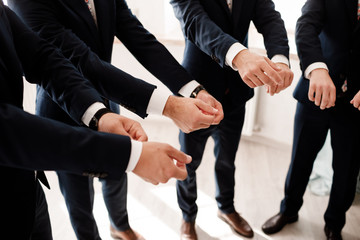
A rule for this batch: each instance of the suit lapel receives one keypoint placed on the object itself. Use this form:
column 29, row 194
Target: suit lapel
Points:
column 352, row 13
column 351, row 8
column 80, row 7
column 236, row 10
column 357, row 27
column 2, row 64
column 106, row 20
column 8, row 52
column 224, row 6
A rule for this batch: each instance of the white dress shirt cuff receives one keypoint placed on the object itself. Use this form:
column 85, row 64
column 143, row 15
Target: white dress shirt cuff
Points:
column 232, row 52
column 135, row 153
column 280, row 59
column 314, row 66
column 188, row 88
column 90, row 112
column 157, row 102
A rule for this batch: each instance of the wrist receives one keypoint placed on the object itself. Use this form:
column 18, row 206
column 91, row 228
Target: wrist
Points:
column 318, row 72
column 169, row 106
column 240, row 57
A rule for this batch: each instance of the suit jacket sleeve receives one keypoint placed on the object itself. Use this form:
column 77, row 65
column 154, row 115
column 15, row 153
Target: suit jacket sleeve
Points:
column 211, row 39
column 43, row 64
column 268, row 22
column 308, row 28
column 201, row 30
column 147, row 50
column 34, row 143
column 111, row 82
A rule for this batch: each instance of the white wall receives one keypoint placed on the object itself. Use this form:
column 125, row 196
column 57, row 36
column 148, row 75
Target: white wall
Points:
column 158, row 17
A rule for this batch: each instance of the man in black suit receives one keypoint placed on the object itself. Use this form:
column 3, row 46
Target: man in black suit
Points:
column 31, row 143
column 84, row 31
column 327, row 38
column 215, row 54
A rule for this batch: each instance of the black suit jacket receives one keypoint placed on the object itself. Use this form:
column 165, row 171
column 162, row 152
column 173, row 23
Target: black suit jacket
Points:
column 69, row 25
column 328, row 31
column 210, row 29
column 28, row 142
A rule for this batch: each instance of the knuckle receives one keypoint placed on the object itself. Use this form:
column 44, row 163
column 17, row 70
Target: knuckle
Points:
column 186, row 131
column 163, row 180
column 246, row 75
column 193, row 125
column 167, row 147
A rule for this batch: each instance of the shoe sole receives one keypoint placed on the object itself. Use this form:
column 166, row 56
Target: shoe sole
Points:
column 115, row 237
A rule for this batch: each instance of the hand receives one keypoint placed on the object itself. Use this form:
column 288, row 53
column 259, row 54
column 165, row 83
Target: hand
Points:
column 356, row 101
column 156, row 163
column 206, row 97
column 189, row 114
column 286, row 74
column 256, row 70
column 114, row 123
column 322, row 89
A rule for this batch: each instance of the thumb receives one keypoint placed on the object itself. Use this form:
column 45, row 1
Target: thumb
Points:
column 207, row 108
column 179, row 156
column 180, row 173
column 272, row 64
column 138, row 134
column 142, row 138
column 119, row 129
column 311, row 93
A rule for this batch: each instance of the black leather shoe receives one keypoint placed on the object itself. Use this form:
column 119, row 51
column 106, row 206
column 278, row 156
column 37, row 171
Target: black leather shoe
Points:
column 277, row 222
column 331, row 234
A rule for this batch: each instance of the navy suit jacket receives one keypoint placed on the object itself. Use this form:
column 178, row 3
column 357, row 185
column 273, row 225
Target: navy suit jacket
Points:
column 29, row 142
column 328, row 31
column 210, row 29
column 69, row 25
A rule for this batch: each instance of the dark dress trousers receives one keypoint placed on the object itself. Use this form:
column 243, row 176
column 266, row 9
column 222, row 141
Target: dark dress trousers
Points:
column 327, row 31
column 210, row 29
column 29, row 143
column 69, row 25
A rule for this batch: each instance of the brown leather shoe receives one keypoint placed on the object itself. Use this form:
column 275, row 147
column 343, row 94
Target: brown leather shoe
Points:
column 277, row 222
column 187, row 231
column 128, row 234
column 237, row 223
column 331, row 234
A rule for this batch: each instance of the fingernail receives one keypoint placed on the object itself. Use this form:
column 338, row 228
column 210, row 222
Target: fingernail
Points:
column 215, row 110
column 189, row 158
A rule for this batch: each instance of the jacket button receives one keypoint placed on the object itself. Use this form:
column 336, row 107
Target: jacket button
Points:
column 213, row 57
